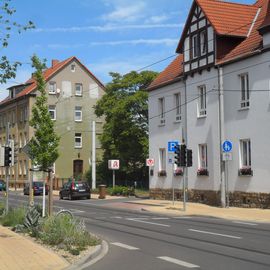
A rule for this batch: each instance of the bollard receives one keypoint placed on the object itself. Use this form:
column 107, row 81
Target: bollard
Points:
column 102, row 191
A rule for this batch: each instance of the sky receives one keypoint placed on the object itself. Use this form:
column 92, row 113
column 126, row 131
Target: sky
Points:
column 105, row 35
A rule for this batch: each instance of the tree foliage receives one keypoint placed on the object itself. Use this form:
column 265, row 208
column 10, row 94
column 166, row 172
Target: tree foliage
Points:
column 44, row 144
column 125, row 132
column 8, row 26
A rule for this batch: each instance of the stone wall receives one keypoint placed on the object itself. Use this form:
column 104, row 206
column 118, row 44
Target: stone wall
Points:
column 210, row 197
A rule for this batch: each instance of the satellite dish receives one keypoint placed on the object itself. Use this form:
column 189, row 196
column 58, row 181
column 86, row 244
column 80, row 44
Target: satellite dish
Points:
column 58, row 91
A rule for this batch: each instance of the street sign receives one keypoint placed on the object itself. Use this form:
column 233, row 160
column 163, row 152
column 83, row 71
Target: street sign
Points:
column 114, row 164
column 171, row 145
column 150, row 162
column 170, row 158
column 227, row 146
column 226, row 156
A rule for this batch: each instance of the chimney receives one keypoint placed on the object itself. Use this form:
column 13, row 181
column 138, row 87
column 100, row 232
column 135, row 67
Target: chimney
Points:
column 54, row 62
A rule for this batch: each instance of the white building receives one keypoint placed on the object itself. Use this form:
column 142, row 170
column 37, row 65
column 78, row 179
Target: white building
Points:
column 217, row 89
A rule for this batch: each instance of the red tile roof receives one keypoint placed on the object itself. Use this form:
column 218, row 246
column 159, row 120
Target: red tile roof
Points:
column 228, row 19
column 173, row 71
column 48, row 73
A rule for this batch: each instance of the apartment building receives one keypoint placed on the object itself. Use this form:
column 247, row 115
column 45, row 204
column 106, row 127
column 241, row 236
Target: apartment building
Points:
column 72, row 92
column 217, row 89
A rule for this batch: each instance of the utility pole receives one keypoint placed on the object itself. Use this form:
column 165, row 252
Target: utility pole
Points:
column 7, row 170
column 50, row 208
column 93, row 155
column 185, row 140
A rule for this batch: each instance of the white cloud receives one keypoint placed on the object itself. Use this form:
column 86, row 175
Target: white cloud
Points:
column 126, row 13
column 157, row 19
column 165, row 41
column 107, row 27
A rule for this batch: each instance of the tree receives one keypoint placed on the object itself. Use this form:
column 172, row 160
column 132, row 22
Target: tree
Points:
column 8, row 69
column 44, row 145
column 125, row 132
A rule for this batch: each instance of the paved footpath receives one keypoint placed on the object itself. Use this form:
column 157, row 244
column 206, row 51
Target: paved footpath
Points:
column 17, row 252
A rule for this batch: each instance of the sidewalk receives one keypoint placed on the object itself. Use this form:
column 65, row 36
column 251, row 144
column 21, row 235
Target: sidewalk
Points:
column 197, row 209
column 18, row 252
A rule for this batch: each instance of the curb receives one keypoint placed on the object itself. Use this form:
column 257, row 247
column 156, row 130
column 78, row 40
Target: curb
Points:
column 97, row 254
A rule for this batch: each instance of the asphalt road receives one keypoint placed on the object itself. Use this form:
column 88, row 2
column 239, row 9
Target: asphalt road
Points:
column 140, row 240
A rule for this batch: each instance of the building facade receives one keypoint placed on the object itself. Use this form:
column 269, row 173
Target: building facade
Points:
column 217, row 89
column 72, row 92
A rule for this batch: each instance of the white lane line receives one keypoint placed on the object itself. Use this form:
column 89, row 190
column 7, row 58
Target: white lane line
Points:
column 218, row 234
column 147, row 222
column 159, row 218
column 182, row 217
column 117, row 217
column 179, row 262
column 124, row 246
column 245, row 223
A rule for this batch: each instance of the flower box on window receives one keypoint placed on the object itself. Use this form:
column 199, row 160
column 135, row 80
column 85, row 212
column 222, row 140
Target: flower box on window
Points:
column 202, row 171
column 162, row 173
column 178, row 172
column 245, row 171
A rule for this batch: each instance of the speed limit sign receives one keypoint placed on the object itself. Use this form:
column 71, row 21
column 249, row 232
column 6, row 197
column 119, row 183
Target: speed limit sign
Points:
column 150, row 162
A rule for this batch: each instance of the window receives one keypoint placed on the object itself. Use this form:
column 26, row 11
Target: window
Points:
column 78, row 113
column 25, row 113
column 203, row 40
column 177, row 103
column 72, row 68
column 195, row 46
column 244, row 90
column 52, row 111
column 20, row 141
column 245, row 154
column 22, row 115
column 161, row 110
column 25, row 139
column 202, row 100
column 52, row 87
column 78, row 140
column 20, row 168
column 25, row 167
column 162, row 159
column 203, row 156
column 78, row 89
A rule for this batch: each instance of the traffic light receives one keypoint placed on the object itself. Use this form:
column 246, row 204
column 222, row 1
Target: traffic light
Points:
column 8, row 156
column 189, row 158
column 177, row 155
column 183, row 155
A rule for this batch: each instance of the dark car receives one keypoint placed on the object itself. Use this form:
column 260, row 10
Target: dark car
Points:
column 37, row 188
column 75, row 189
column 2, row 185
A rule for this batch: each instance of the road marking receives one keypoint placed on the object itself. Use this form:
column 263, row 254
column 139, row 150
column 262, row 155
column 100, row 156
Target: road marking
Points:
column 124, row 246
column 182, row 217
column 179, row 262
column 159, row 218
column 245, row 223
column 117, row 217
column 152, row 223
column 218, row 234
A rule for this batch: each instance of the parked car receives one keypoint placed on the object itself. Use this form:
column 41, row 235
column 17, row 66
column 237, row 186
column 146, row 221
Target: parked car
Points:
column 37, row 188
column 75, row 189
column 2, row 185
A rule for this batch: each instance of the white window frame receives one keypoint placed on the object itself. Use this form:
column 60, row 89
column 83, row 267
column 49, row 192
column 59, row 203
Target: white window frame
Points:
column 203, row 156
column 52, row 111
column 78, row 110
column 78, row 144
column 195, row 46
column 244, row 90
column 162, row 159
column 202, row 101
column 80, row 92
column 203, row 42
column 245, row 153
column 177, row 103
column 52, row 88
column 161, row 110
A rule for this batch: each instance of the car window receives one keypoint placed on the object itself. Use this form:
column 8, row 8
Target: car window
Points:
column 38, row 184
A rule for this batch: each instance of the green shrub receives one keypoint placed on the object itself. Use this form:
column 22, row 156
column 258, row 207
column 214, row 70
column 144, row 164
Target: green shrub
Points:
column 66, row 232
column 121, row 190
column 2, row 208
column 14, row 217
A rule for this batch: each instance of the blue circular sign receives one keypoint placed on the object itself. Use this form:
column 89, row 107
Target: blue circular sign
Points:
column 227, row 146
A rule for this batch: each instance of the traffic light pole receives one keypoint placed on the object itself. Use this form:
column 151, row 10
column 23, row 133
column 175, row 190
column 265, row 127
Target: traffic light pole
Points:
column 7, row 170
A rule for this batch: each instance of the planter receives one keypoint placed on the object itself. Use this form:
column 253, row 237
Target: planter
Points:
column 162, row 173
column 245, row 172
column 202, row 172
column 178, row 172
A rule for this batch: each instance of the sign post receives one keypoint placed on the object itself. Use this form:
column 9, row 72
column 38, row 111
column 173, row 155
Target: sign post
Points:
column 114, row 164
column 226, row 156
